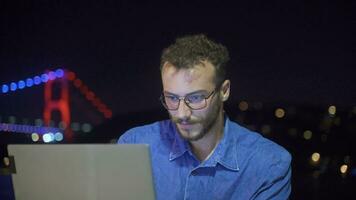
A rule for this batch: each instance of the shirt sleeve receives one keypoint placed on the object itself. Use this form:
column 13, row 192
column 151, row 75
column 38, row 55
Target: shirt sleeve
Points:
column 122, row 140
column 128, row 137
column 278, row 184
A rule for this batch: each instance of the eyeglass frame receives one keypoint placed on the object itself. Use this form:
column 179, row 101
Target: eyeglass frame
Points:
column 184, row 98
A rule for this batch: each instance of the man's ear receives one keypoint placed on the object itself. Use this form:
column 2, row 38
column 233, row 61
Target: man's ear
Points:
column 225, row 90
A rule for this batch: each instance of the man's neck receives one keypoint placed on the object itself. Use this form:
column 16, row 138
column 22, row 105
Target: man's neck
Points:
column 205, row 146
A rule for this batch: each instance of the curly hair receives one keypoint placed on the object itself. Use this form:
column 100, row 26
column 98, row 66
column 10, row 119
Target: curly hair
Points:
column 191, row 50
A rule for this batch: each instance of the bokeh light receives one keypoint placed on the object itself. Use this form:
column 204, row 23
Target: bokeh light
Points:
column 37, row 80
column 75, row 126
column 51, row 75
column 77, row 83
column 12, row 119
column 307, row 134
column 62, row 125
column 332, row 110
column 86, row 127
column 6, row 161
column 35, row 137
column 279, row 113
column 4, row 88
column 315, row 157
column 21, row 84
column 71, row 76
column 13, row 86
column 266, row 129
column 108, row 114
column 343, row 169
column 58, row 136
column 59, row 73
column 48, row 137
column 243, row 105
column 39, row 122
column 44, row 78
column 29, row 82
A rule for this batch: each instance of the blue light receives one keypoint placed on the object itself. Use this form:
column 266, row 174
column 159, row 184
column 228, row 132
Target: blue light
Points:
column 21, row 84
column 29, row 82
column 58, row 136
column 30, row 129
column 51, row 75
column 4, row 88
column 47, row 138
column 37, row 80
column 52, row 136
column 59, row 73
column 13, row 86
column 44, row 78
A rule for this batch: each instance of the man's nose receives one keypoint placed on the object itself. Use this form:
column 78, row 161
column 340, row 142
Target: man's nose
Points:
column 183, row 112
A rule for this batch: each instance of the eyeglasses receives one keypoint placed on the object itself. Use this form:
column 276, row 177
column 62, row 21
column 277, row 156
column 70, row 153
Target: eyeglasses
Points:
column 194, row 101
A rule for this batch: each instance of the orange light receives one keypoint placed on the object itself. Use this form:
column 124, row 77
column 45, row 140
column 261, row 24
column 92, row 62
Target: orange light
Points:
column 84, row 89
column 61, row 105
column 108, row 114
column 96, row 102
column 279, row 113
column 77, row 83
column 90, row 96
column 70, row 76
column 102, row 106
column 343, row 169
column 243, row 105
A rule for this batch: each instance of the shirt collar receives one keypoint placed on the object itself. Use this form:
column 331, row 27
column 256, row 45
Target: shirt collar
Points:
column 224, row 154
column 179, row 145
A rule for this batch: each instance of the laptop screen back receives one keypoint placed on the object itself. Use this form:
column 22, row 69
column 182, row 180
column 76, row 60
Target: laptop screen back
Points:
column 82, row 171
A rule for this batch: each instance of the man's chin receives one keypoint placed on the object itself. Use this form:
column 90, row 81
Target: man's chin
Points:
column 190, row 135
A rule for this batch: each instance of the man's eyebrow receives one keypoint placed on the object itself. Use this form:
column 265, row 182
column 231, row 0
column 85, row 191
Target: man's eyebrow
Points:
column 195, row 92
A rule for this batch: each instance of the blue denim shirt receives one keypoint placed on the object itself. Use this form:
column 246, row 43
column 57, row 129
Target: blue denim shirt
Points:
column 243, row 166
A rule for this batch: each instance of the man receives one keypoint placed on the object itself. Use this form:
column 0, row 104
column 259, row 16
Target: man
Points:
column 199, row 153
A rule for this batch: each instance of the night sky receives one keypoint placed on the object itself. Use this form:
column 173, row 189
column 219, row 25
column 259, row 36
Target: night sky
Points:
column 297, row 52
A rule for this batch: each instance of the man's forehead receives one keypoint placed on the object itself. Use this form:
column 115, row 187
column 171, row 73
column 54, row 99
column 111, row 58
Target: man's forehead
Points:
column 187, row 81
column 198, row 71
column 187, row 94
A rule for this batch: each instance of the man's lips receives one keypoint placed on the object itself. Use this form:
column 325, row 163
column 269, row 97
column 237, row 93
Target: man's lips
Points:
column 185, row 125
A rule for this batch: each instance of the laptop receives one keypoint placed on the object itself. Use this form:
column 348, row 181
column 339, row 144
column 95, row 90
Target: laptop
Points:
column 82, row 171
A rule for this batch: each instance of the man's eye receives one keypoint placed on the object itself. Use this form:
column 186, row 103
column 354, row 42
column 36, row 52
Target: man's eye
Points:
column 171, row 98
column 195, row 98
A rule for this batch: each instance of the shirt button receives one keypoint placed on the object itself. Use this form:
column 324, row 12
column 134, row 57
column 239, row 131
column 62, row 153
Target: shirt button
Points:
column 194, row 173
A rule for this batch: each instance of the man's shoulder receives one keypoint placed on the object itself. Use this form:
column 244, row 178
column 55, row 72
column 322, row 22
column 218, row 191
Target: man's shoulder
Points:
column 272, row 154
column 144, row 133
column 252, row 145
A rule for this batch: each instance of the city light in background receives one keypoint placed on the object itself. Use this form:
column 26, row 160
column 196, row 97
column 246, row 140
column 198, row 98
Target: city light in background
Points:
column 39, row 132
column 32, row 81
column 51, row 133
column 315, row 129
